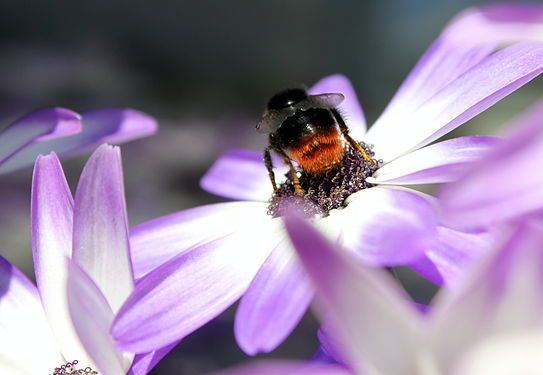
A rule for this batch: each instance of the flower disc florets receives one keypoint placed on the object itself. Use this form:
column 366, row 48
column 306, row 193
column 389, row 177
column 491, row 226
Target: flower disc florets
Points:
column 328, row 190
column 70, row 368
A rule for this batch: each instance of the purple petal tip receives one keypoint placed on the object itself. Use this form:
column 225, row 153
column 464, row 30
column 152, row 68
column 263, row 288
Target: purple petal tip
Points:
column 132, row 124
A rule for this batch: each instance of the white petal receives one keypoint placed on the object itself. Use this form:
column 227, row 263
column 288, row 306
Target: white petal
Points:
column 7, row 366
column 27, row 345
column 92, row 317
column 513, row 354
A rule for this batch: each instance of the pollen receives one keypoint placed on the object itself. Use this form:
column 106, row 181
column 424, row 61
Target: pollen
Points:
column 327, row 190
column 72, row 368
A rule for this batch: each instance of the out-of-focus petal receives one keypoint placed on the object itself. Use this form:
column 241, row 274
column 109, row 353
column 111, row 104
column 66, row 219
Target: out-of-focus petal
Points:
column 363, row 307
column 471, row 93
column 498, row 23
column 36, row 127
column 330, row 344
column 321, row 355
column 192, row 288
column 274, row 303
column 284, row 367
column 92, row 317
column 100, row 239
column 154, row 242
column 518, row 353
column 503, row 185
column 384, row 226
column 437, row 163
column 143, row 363
column 446, row 262
column 503, row 292
column 350, row 108
column 119, row 125
column 51, row 230
column 27, row 345
column 241, row 174
column 7, row 366
column 99, row 126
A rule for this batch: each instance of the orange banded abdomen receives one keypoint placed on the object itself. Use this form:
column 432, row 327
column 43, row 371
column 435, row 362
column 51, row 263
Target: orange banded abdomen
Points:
column 318, row 151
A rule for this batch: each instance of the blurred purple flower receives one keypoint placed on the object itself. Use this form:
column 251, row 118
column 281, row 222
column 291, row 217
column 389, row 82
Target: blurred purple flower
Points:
column 504, row 185
column 83, row 273
column 68, row 133
column 193, row 264
column 491, row 324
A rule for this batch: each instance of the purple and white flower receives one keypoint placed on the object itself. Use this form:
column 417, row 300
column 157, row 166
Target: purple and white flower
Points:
column 83, row 273
column 68, row 133
column 193, row 264
column 491, row 324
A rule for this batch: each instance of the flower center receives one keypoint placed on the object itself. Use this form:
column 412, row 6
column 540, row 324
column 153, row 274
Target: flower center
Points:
column 71, row 368
column 328, row 190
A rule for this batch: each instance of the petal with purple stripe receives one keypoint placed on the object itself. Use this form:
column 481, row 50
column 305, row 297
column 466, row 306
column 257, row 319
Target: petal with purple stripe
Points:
column 192, row 288
column 156, row 241
column 275, row 302
column 100, row 239
column 443, row 62
column 480, row 87
column 467, row 39
column 437, row 163
column 51, row 231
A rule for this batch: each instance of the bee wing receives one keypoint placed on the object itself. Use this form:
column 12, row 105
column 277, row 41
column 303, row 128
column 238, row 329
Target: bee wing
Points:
column 331, row 100
column 270, row 121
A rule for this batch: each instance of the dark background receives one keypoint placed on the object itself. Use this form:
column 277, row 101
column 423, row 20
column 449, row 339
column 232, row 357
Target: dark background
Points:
column 204, row 70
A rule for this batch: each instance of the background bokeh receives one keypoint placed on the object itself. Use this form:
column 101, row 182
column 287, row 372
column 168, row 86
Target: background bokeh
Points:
column 205, row 71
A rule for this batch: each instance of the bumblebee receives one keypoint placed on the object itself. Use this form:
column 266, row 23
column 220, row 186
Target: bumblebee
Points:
column 307, row 129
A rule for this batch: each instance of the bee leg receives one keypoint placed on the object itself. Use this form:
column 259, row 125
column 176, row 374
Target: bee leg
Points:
column 345, row 131
column 294, row 177
column 269, row 167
